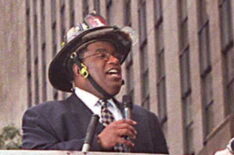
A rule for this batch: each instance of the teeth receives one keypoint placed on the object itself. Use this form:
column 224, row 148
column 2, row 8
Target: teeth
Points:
column 113, row 71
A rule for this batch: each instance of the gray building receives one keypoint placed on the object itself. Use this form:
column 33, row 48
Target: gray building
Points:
column 181, row 68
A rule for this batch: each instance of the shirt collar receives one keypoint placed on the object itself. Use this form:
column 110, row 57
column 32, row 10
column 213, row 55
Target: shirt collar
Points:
column 91, row 100
column 86, row 97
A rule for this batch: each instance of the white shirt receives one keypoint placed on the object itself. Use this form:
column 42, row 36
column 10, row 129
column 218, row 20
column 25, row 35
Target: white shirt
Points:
column 91, row 101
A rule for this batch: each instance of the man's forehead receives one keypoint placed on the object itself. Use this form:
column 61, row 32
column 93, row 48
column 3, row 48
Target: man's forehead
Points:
column 102, row 45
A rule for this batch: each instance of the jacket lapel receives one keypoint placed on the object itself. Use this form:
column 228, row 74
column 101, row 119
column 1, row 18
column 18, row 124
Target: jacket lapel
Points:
column 81, row 113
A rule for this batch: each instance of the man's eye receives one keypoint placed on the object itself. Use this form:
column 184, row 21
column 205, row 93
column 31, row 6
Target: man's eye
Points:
column 103, row 55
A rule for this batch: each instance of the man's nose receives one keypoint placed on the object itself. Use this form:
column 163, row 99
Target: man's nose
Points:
column 113, row 59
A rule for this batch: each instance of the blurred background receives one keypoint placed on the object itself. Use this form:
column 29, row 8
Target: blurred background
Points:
column 182, row 67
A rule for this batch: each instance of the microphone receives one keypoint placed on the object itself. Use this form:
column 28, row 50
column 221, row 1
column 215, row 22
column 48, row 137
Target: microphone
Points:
column 127, row 101
column 90, row 133
column 123, row 82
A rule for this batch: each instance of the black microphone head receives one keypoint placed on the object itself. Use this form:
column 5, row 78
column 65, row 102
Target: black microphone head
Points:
column 123, row 82
column 127, row 101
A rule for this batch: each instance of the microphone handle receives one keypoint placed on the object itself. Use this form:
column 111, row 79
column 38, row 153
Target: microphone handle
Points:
column 127, row 101
column 90, row 133
column 127, row 115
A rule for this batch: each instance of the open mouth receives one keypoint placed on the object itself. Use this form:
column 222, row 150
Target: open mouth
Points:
column 113, row 72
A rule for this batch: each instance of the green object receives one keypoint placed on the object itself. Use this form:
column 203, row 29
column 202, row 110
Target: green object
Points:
column 10, row 138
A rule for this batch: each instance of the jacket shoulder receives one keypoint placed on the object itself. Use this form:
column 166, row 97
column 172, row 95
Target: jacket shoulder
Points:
column 46, row 106
column 142, row 111
column 51, row 107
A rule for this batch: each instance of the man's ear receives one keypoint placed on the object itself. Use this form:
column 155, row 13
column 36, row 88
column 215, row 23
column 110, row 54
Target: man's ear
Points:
column 83, row 71
column 76, row 69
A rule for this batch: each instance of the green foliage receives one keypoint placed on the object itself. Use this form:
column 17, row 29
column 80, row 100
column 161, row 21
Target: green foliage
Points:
column 10, row 138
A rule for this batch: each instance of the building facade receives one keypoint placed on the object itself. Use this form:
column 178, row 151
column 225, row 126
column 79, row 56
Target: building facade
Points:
column 181, row 68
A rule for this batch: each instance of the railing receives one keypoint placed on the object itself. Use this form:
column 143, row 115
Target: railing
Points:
column 40, row 152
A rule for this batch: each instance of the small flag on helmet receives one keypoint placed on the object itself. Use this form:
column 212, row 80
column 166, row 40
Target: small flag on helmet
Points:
column 94, row 20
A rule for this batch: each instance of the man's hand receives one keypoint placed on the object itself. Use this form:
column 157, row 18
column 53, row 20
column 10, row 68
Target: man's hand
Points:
column 115, row 132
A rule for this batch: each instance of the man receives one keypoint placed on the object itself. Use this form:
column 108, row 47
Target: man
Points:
column 89, row 65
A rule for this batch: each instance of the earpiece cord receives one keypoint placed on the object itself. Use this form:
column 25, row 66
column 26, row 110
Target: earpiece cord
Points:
column 92, row 81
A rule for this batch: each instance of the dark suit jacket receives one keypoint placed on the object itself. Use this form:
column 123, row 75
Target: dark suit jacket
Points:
column 62, row 125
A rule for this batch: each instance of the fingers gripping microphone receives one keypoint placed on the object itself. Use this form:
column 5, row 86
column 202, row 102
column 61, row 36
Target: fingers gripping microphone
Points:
column 90, row 133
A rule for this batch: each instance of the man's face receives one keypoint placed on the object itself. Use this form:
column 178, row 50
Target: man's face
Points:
column 102, row 61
